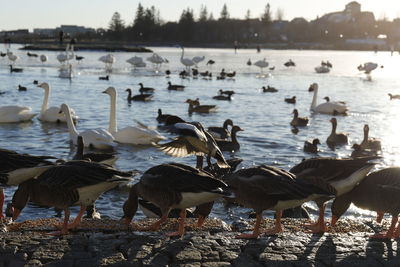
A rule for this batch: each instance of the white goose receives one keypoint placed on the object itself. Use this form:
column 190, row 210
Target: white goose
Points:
column 15, row 114
column 52, row 114
column 141, row 135
column 99, row 138
column 327, row 107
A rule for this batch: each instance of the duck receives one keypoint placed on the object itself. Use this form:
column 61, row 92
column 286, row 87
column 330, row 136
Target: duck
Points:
column 98, row 138
column 291, row 100
column 342, row 174
column 379, row 192
column 232, row 145
column 394, row 96
column 136, row 135
column 175, row 87
column 16, row 113
column 311, row 147
column 269, row 188
column 298, row 121
column 222, row 73
column 73, row 183
column 231, row 74
column 226, row 92
column 52, row 114
column 173, row 186
column 370, row 143
column 327, row 107
column 16, row 168
column 104, row 78
column 193, row 140
column 336, row 139
column 145, row 89
column 269, row 89
column 32, row 54
column 223, row 96
column 289, row 63
column 12, row 69
column 35, row 82
column 167, row 73
column 194, row 106
column 162, row 117
column 248, row 63
column 141, row 97
column 221, row 132
column 210, row 62
column 22, row 88
column 359, row 153
column 105, row 158
column 79, row 58
column 195, row 73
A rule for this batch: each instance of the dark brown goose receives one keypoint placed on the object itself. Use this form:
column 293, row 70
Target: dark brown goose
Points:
column 12, row 69
column 69, row 184
column 105, row 158
column 232, row 145
column 269, row 188
column 269, row 89
column 141, row 97
column 194, row 140
column 221, row 132
column 223, row 96
column 162, row 117
column 359, row 153
column 336, row 139
column 291, row 100
column 311, row 147
column 175, row 87
column 173, row 186
column 380, row 192
column 394, row 96
column 16, row 168
column 298, row 121
column 143, row 89
column 194, row 106
column 370, row 143
column 342, row 174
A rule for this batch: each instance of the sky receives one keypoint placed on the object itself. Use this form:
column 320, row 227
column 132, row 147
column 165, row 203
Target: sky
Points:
column 30, row 14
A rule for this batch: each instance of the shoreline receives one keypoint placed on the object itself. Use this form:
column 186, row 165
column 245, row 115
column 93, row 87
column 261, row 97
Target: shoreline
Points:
column 211, row 246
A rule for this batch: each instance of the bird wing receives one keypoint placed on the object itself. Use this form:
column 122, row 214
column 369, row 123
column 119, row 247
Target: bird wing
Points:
column 180, row 147
column 11, row 160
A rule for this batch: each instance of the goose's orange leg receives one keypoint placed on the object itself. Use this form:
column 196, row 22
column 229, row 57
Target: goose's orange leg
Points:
column 256, row 230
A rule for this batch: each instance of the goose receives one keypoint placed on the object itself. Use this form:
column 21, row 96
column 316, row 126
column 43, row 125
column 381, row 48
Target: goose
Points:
column 12, row 69
column 248, row 62
column 15, row 113
column 210, row 62
column 129, row 135
column 79, row 58
column 394, row 96
column 322, row 69
column 359, row 153
column 379, row 192
column 370, row 143
column 232, row 145
column 16, row 168
column 221, row 132
column 183, row 74
column 195, row 73
column 311, row 147
column 327, row 107
column 52, row 114
column 175, row 87
column 204, row 73
column 194, row 106
column 99, row 138
column 137, row 62
column 162, row 117
column 43, row 58
column 108, row 60
column 141, row 97
column 291, row 100
column 221, row 96
column 270, row 188
column 261, row 64
column 336, row 139
column 328, row 100
column 289, row 63
column 32, row 54
column 173, row 186
column 73, row 183
column 226, row 92
column 341, row 174
column 193, row 140
column 105, row 158
column 104, row 78
column 187, row 62
column 145, row 89
column 231, row 74
column 269, row 89
column 298, row 121
column 21, row 88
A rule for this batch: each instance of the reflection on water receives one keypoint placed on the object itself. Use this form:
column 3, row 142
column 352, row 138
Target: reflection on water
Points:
column 268, row 136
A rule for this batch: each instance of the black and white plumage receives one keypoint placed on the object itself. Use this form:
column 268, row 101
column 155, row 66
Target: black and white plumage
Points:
column 233, row 144
column 221, row 132
column 143, row 89
column 69, row 184
column 142, row 97
column 104, row 78
column 12, row 69
column 175, row 87
column 311, row 147
column 193, row 140
column 105, row 158
column 298, row 121
column 270, row 188
column 174, row 186
column 162, row 117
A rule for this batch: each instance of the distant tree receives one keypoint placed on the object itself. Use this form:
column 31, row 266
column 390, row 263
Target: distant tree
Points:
column 203, row 15
column 266, row 16
column 116, row 24
column 224, row 15
column 279, row 14
column 187, row 24
column 248, row 14
column 211, row 17
column 139, row 17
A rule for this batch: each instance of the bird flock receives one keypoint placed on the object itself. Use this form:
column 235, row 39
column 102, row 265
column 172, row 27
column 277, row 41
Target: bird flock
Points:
column 47, row 181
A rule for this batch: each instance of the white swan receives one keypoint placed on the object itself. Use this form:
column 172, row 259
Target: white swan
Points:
column 367, row 67
column 67, row 55
column 12, row 57
column 99, row 138
column 43, row 58
column 327, row 107
column 108, row 59
column 261, row 64
column 52, row 114
column 66, row 71
column 186, row 61
column 198, row 59
column 137, row 62
column 15, row 114
column 129, row 135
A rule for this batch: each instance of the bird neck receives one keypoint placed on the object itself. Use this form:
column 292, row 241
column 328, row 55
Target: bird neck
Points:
column 73, row 133
column 183, row 52
column 295, row 115
column 113, row 114
column 334, row 125
column 233, row 137
column 79, row 151
column 365, row 135
column 45, row 100
column 131, row 204
column 314, row 100
column 129, row 94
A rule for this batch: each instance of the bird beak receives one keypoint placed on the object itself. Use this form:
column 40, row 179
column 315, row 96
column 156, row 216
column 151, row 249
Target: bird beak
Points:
column 104, row 92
